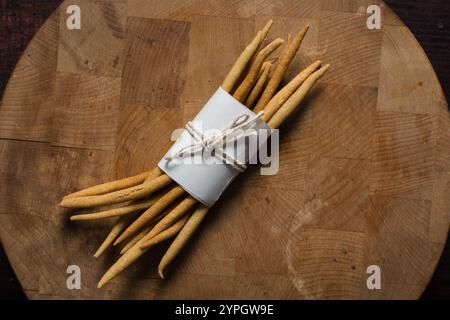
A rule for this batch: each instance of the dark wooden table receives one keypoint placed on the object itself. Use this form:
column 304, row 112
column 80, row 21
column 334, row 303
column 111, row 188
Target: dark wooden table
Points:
column 428, row 20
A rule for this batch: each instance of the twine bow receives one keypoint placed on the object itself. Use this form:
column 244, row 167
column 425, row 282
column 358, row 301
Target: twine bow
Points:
column 242, row 125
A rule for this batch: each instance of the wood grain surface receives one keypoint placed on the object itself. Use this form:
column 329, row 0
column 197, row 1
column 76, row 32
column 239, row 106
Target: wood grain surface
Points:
column 365, row 167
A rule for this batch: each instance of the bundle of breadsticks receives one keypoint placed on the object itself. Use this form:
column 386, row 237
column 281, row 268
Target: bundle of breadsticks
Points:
column 151, row 207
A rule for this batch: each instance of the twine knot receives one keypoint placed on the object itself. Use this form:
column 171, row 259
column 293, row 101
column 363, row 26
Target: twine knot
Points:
column 242, row 126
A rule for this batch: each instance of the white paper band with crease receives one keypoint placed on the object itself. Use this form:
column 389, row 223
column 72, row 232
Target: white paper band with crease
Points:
column 207, row 181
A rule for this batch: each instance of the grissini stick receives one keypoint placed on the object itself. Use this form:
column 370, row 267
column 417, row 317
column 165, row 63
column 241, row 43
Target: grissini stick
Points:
column 152, row 212
column 180, row 210
column 280, row 98
column 116, row 185
column 138, row 236
column 120, row 224
column 264, row 32
column 182, row 238
column 297, row 97
column 252, row 75
column 116, row 212
column 135, row 252
column 242, row 62
column 259, row 85
column 128, row 194
column 280, row 70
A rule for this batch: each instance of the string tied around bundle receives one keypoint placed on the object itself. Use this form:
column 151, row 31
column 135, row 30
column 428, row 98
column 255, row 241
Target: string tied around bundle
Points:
column 241, row 127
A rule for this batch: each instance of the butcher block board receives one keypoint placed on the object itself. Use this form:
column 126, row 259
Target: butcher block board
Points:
column 365, row 165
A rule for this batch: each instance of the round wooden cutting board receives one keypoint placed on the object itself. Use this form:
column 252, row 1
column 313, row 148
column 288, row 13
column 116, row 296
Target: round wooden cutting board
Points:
column 365, row 166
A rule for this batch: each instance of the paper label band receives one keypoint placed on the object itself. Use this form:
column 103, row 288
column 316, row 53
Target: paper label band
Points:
column 201, row 174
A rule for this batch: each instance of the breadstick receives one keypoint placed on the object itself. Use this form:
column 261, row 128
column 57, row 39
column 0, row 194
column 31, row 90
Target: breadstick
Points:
column 294, row 101
column 280, row 70
column 116, row 185
column 262, row 79
column 128, row 194
column 265, row 30
column 136, row 238
column 151, row 212
column 280, row 98
column 156, row 172
column 116, row 211
column 272, row 60
column 252, row 75
column 264, row 33
column 168, row 233
column 238, row 68
column 136, row 251
column 182, row 238
column 120, row 224
column 141, row 233
column 180, row 210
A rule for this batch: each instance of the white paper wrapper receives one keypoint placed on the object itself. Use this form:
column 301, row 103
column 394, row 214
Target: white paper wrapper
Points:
column 207, row 181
